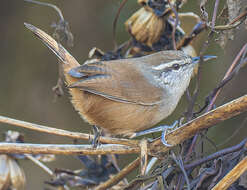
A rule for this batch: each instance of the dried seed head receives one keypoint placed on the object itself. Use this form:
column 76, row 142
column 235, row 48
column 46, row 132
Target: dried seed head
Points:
column 17, row 175
column 11, row 175
column 159, row 7
column 142, row 2
column 13, row 136
column 145, row 26
column 4, row 172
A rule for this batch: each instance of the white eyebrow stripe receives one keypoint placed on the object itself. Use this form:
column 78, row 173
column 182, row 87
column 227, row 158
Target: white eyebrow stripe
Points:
column 165, row 65
column 168, row 64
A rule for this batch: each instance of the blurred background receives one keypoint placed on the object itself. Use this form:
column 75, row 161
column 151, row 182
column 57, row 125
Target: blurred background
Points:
column 29, row 71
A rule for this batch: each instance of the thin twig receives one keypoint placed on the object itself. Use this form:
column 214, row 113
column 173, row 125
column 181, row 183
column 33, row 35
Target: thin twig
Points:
column 200, row 27
column 114, row 27
column 227, row 27
column 180, row 164
column 61, row 132
column 216, row 5
column 150, row 165
column 174, row 27
column 40, row 164
column 49, row 5
column 234, row 23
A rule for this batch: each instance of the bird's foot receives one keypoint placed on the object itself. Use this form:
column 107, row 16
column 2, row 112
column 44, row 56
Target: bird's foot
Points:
column 163, row 128
column 97, row 134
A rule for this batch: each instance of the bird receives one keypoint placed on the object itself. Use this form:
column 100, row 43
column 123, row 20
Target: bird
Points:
column 124, row 96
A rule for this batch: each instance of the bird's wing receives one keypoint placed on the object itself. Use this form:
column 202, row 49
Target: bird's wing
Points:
column 118, row 81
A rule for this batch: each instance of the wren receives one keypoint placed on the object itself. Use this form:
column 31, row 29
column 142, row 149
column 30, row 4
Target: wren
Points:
column 127, row 95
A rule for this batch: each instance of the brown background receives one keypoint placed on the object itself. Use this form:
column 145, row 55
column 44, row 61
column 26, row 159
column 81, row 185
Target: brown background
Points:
column 28, row 72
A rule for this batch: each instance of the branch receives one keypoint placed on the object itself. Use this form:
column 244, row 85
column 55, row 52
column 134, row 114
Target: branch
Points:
column 156, row 148
column 206, row 120
column 25, row 148
column 115, row 179
column 235, row 23
column 61, row 132
column 232, row 176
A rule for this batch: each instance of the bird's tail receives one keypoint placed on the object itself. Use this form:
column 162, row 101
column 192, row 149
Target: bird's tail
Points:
column 68, row 60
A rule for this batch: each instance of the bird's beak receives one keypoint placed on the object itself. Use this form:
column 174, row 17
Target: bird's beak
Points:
column 205, row 58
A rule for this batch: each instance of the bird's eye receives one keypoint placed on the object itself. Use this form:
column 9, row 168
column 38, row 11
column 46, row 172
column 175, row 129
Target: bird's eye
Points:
column 176, row 66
